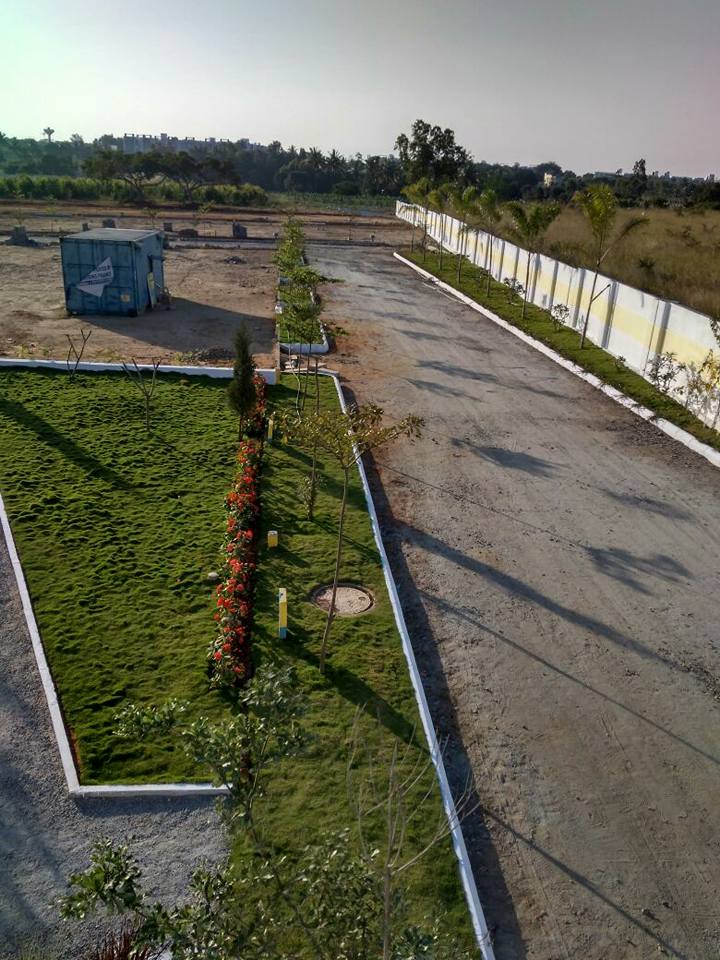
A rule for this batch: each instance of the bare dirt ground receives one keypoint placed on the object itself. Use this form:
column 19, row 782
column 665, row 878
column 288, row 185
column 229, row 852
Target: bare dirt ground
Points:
column 558, row 563
column 210, row 298
column 44, row 219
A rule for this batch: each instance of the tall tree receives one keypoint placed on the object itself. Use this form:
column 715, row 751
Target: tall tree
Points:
column 530, row 224
column 432, row 152
column 599, row 205
column 48, row 131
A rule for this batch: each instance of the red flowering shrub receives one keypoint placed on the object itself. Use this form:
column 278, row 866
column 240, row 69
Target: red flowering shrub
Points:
column 256, row 426
column 230, row 651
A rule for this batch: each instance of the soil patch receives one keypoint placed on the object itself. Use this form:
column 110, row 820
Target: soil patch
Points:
column 350, row 601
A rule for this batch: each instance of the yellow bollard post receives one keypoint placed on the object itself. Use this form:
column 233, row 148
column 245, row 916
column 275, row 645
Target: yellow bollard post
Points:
column 272, row 538
column 270, row 428
column 282, row 613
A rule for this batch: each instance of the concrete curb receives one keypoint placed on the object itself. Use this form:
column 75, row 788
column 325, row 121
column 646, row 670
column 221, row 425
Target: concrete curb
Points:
column 89, row 366
column 466, row 874
column 677, row 433
column 305, row 348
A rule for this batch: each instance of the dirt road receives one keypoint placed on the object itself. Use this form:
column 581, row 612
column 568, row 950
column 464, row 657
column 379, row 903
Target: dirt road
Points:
column 558, row 561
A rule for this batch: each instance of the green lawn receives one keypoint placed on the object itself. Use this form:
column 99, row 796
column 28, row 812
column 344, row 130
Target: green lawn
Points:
column 366, row 669
column 566, row 341
column 116, row 532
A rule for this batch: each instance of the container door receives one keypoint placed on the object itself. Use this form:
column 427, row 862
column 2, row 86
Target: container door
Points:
column 103, row 282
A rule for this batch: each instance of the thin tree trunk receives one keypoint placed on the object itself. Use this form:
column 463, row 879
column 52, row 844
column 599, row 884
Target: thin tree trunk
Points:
column 338, row 560
column 424, row 240
column 442, row 237
column 587, row 314
column 387, row 914
column 527, row 284
column 490, row 255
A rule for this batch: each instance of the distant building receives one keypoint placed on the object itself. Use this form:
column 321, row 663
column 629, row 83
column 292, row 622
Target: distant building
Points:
column 144, row 143
column 549, row 179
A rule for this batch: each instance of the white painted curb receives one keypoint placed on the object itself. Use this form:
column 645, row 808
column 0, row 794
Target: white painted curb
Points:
column 89, row 366
column 466, row 874
column 677, row 433
column 305, row 348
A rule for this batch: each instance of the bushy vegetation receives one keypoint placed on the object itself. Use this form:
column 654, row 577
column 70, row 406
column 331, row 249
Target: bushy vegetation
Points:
column 25, row 187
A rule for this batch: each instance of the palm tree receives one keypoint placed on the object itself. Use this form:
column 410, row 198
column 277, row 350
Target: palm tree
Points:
column 599, row 204
column 464, row 203
column 48, row 131
column 417, row 194
column 530, row 225
column 489, row 214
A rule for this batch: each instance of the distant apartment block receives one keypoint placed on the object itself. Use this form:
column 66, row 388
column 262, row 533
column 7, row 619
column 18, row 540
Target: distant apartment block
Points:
column 144, row 143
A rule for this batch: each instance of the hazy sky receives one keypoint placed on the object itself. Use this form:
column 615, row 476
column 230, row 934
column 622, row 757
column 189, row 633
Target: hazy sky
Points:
column 592, row 84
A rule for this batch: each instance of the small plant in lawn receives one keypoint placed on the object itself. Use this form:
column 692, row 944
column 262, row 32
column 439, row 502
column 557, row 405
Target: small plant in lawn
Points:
column 620, row 363
column 76, row 352
column 560, row 315
column 515, row 288
column 146, row 387
column 345, row 437
column 663, row 371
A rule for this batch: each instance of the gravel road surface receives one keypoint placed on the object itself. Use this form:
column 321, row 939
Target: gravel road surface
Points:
column 558, row 562
column 45, row 835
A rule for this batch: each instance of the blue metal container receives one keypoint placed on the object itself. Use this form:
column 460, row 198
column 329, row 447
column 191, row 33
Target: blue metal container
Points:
column 112, row 271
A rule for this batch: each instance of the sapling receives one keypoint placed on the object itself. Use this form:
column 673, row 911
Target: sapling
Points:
column 345, row 437
column 560, row 315
column 146, row 387
column 74, row 351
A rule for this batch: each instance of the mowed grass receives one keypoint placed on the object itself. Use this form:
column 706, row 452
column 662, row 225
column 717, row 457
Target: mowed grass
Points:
column 566, row 341
column 117, row 530
column 366, row 672
column 675, row 256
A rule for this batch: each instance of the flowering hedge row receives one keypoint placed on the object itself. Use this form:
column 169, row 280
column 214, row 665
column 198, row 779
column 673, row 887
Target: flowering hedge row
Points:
column 229, row 654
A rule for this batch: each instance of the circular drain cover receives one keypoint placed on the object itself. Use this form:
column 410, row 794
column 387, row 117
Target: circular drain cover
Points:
column 349, row 600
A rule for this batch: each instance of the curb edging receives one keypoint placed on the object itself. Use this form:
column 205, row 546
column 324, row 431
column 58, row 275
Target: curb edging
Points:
column 671, row 429
column 458, row 840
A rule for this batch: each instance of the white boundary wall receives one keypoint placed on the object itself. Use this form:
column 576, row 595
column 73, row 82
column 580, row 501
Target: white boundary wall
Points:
column 623, row 320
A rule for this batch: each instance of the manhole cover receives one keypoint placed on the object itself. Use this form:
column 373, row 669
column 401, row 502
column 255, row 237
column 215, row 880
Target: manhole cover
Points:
column 349, row 600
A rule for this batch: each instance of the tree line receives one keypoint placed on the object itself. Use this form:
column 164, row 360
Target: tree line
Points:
column 427, row 151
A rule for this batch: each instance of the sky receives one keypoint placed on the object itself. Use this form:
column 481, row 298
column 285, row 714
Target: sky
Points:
column 590, row 84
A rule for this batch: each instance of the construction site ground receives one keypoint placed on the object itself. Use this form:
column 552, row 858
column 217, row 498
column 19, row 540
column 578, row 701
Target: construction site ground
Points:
column 215, row 282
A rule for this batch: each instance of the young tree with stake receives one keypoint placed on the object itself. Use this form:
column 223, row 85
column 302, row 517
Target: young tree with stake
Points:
column 530, row 226
column 345, row 437
column 599, row 205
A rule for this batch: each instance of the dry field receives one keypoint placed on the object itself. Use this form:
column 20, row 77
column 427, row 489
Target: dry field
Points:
column 676, row 256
